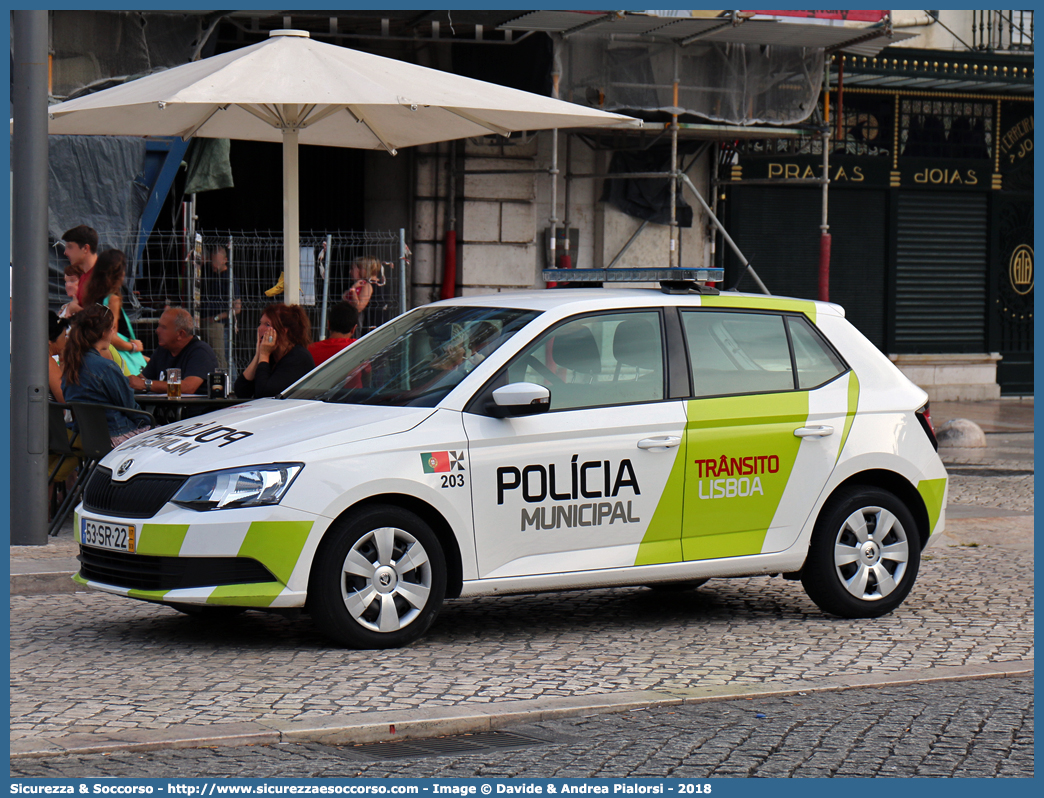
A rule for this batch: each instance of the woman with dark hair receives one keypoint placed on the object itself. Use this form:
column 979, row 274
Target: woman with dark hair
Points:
column 88, row 376
column 106, row 288
column 56, row 338
column 281, row 357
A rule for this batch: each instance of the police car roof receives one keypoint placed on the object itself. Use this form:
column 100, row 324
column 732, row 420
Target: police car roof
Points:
column 597, row 298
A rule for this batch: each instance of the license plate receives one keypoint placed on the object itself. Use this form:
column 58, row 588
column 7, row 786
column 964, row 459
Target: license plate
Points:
column 103, row 535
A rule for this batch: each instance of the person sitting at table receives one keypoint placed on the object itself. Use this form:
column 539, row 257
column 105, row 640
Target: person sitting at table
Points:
column 281, row 357
column 365, row 273
column 342, row 323
column 106, row 288
column 55, row 346
column 56, row 339
column 178, row 348
column 72, row 284
column 88, row 376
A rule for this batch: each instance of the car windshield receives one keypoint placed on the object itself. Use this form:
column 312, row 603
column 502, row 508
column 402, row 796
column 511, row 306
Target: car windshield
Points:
column 415, row 360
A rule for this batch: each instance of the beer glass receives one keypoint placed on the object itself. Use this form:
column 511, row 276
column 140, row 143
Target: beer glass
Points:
column 173, row 383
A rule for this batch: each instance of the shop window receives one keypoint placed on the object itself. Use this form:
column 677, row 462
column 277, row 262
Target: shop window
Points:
column 865, row 129
column 935, row 128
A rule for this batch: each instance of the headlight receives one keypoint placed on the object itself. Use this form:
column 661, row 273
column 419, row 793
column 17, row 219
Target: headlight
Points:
column 252, row 486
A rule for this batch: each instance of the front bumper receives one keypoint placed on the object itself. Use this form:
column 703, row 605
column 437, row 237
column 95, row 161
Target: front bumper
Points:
column 257, row 557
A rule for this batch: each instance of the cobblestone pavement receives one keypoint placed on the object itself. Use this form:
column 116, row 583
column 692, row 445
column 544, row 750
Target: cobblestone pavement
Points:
column 981, row 728
column 998, row 476
column 84, row 662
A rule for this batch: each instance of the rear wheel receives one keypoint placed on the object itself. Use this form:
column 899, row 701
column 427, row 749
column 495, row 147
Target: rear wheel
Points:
column 864, row 554
column 378, row 580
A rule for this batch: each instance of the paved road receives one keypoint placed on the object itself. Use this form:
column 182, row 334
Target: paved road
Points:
column 981, row 728
column 92, row 662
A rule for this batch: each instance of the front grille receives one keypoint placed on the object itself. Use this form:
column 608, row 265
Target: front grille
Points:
column 141, row 496
column 145, row 572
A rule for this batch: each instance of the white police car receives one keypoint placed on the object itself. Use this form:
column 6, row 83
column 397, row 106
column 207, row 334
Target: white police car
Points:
column 535, row 441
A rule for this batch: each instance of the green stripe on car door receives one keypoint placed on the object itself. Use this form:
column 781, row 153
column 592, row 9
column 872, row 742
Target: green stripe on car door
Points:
column 853, row 403
column 662, row 540
column 752, row 443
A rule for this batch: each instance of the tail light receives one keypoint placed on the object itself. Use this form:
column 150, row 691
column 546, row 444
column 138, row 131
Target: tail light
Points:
column 924, row 415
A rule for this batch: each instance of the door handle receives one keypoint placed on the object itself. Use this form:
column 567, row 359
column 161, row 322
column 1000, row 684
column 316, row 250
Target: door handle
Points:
column 659, row 444
column 814, row 432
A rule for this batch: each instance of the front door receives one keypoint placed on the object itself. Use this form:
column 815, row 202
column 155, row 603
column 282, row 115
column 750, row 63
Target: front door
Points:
column 585, row 485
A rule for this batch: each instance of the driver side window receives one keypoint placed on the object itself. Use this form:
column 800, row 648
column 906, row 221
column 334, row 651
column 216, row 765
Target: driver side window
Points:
column 597, row 361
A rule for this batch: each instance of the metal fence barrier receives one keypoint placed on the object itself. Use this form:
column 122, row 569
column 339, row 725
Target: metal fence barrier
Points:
column 331, row 263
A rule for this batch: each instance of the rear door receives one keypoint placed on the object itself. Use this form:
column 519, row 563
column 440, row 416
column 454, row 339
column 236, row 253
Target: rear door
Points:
column 764, row 429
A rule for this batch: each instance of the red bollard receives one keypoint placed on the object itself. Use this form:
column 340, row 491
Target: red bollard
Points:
column 824, row 267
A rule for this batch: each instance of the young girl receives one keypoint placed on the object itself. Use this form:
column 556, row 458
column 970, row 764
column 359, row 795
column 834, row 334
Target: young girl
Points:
column 106, row 288
column 88, row 376
column 365, row 273
column 281, row 357
column 55, row 346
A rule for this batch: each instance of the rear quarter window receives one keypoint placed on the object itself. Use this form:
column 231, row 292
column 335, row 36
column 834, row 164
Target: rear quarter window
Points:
column 815, row 361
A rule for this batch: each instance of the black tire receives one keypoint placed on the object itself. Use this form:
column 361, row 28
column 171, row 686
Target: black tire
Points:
column 377, row 540
column 677, row 587
column 852, row 570
column 211, row 613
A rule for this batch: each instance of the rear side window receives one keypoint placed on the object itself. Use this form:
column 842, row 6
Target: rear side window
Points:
column 737, row 353
column 740, row 352
column 815, row 361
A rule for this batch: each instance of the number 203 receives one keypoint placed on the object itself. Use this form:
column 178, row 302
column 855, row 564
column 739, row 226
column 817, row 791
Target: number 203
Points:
column 453, row 480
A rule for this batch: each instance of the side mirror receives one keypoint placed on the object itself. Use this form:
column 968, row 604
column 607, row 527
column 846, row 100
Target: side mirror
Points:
column 520, row 399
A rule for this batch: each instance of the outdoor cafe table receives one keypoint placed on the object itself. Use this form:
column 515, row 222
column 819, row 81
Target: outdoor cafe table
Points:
column 167, row 411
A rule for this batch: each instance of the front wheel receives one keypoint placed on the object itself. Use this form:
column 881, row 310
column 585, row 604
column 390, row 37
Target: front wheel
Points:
column 864, row 554
column 379, row 579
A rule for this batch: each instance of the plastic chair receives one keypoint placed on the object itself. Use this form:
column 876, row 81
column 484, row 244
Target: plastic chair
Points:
column 58, row 441
column 95, row 443
column 61, row 446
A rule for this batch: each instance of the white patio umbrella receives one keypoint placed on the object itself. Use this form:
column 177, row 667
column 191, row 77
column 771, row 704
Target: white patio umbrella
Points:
column 292, row 89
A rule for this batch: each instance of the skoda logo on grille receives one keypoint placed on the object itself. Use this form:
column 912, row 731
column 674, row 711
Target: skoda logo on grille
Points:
column 124, row 467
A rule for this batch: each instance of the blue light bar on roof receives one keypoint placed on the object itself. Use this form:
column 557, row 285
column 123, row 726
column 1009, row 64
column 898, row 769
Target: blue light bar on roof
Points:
column 632, row 275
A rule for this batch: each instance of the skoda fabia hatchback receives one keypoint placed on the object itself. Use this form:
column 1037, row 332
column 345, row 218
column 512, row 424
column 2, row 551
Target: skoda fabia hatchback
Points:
column 529, row 442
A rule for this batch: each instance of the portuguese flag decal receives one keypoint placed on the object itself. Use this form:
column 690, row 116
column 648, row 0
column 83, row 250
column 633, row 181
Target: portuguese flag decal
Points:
column 437, row 462
column 434, row 462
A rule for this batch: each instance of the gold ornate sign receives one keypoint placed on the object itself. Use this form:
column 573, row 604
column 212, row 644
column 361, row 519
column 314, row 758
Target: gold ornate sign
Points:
column 1020, row 269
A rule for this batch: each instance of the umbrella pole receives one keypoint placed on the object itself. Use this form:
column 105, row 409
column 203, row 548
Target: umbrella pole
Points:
column 291, row 220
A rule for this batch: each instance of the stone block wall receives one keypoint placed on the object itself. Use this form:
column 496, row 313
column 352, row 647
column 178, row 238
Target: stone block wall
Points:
column 952, row 378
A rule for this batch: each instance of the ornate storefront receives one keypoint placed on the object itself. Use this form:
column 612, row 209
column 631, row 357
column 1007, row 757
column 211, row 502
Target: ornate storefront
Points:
column 930, row 212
